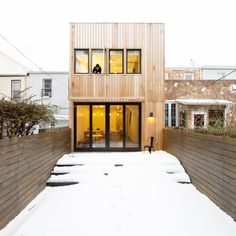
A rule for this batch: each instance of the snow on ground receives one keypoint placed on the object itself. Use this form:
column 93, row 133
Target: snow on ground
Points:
column 142, row 197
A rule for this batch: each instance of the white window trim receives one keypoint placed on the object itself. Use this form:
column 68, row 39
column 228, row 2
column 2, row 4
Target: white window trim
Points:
column 225, row 116
column 43, row 87
column 198, row 113
column 233, row 87
column 169, row 113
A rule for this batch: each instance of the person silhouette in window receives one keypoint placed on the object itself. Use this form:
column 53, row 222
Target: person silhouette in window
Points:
column 97, row 69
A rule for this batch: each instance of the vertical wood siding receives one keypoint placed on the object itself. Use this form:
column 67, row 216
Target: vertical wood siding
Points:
column 210, row 162
column 25, row 166
column 149, row 37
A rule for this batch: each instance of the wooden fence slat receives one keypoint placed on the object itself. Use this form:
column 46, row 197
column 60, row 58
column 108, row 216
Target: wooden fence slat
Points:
column 25, row 166
column 210, row 162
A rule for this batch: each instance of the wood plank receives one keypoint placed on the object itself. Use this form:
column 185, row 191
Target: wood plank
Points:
column 146, row 87
column 210, row 164
column 25, row 173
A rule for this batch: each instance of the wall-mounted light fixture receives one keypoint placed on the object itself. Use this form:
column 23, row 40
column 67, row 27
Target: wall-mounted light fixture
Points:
column 151, row 114
column 151, row 118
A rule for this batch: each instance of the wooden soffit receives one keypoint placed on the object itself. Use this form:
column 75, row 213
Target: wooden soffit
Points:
column 107, row 99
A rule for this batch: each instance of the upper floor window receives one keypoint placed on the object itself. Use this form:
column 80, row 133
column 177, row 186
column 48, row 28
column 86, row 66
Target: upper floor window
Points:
column 47, row 88
column 82, row 61
column 188, row 76
column 109, row 61
column 98, row 61
column 216, row 117
column 133, row 61
column 233, row 87
column 116, row 61
column 15, row 88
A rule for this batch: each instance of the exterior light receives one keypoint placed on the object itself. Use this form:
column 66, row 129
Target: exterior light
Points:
column 151, row 114
column 151, row 118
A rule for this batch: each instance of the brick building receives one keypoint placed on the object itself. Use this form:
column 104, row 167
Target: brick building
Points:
column 199, row 97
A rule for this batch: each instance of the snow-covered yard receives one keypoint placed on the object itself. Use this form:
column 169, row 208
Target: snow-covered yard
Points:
column 121, row 194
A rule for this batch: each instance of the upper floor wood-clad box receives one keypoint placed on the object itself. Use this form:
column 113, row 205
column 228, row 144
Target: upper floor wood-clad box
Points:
column 131, row 56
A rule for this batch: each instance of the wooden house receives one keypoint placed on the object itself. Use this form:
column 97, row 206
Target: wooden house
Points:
column 116, row 85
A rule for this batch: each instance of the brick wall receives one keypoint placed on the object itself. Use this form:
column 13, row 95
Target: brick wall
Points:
column 184, row 89
column 176, row 89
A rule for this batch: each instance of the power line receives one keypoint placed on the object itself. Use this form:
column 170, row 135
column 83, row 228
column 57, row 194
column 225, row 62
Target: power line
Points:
column 31, row 61
column 194, row 91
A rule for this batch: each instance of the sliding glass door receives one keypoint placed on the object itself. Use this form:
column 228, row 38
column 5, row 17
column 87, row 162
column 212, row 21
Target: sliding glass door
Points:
column 108, row 127
column 82, row 131
column 116, row 126
column 98, row 126
column 132, row 126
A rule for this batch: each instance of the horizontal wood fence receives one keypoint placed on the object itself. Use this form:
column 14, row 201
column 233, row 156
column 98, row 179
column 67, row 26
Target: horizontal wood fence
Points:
column 25, row 166
column 210, row 162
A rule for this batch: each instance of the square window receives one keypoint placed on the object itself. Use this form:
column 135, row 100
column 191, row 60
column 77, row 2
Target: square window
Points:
column 116, row 61
column 81, row 61
column 133, row 61
column 198, row 120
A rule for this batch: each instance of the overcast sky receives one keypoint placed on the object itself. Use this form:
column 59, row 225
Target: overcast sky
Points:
column 203, row 30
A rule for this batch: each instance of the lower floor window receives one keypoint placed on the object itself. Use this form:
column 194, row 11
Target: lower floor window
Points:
column 171, row 115
column 107, row 126
column 216, row 117
column 198, row 120
column 182, row 119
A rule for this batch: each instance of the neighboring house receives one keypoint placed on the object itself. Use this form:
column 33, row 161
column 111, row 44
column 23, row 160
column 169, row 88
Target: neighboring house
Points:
column 51, row 88
column 182, row 73
column 201, row 102
column 119, row 108
column 13, row 77
column 216, row 72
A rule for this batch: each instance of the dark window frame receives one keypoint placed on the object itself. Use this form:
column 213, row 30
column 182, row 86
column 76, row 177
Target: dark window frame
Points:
column 81, row 49
column 213, row 122
column 199, row 121
column 105, row 61
column 166, row 114
column 12, row 81
column 112, row 49
column 173, row 114
column 107, row 146
column 140, row 53
column 44, row 88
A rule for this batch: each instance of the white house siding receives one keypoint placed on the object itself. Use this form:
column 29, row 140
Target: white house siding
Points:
column 10, row 70
column 5, row 84
column 59, row 97
column 216, row 72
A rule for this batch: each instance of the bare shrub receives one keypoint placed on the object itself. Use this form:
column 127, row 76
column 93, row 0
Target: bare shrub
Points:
column 18, row 116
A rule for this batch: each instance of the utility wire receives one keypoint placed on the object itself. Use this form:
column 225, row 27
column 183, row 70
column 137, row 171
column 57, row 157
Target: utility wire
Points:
column 18, row 50
column 222, row 77
column 31, row 61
